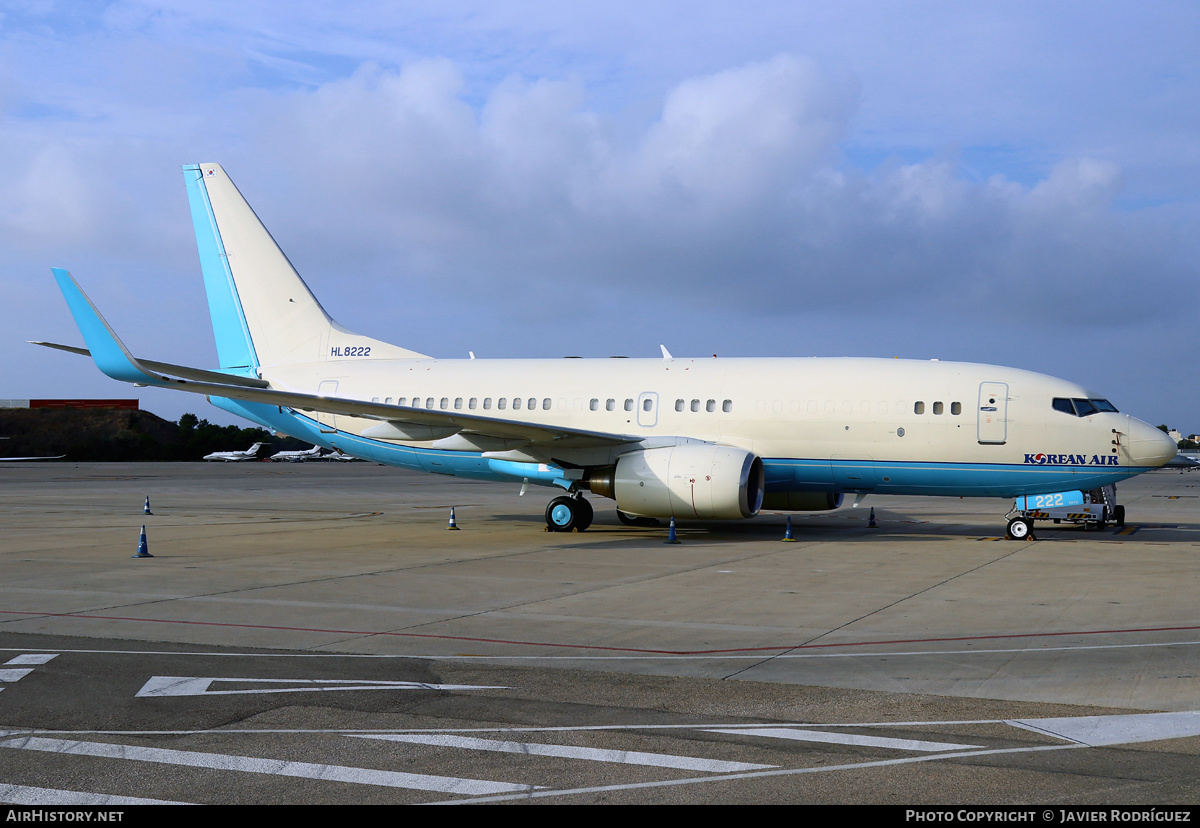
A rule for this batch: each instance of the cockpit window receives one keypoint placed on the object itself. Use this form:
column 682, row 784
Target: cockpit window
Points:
column 1080, row 407
column 1084, row 408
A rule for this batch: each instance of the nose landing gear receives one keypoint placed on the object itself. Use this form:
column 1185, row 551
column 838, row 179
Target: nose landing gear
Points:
column 567, row 513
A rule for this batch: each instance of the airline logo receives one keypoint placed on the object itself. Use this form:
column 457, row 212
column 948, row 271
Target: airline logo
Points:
column 1071, row 460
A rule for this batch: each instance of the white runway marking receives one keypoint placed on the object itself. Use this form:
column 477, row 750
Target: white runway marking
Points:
column 274, row 767
column 23, row 795
column 31, row 658
column 199, row 686
column 1129, row 728
column 799, row 735
column 14, row 675
column 625, row 757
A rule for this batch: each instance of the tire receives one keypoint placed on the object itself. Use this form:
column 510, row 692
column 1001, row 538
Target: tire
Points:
column 1020, row 529
column 1119, row 515
column 584, row 515
column 562, row 514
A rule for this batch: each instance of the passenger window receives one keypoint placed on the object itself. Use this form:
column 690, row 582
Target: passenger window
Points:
column 679, row 405
column 516, row 403
column 402, row 401
column 695, row 405
column 445, row 403
column 955, row 408
column 546, row 404
column 647, row 404
column 919, row 408
column 487, row 403
column 473, row 402
column 387, row 400
column 710, row 406
column 594, row 405
column 937, row 408
column 429, row 402
column 458, row 403
column 532, row 404
column 610, row 405
column 500, row 403
column 374, row 399
column 629, row 405
column 727, row 406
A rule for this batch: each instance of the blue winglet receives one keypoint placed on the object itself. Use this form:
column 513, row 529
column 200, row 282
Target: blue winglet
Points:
column 109, row 353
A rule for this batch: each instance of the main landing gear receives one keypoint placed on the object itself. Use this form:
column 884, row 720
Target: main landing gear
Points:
column 570, row 512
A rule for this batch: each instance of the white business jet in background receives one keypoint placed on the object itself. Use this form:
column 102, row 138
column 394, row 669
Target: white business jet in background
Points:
column 708, row 439
column 235, row 456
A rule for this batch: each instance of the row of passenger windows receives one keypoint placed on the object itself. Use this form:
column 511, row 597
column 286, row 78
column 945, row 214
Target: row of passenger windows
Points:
column 517, row 403
column 709, row 406
column 938, row 408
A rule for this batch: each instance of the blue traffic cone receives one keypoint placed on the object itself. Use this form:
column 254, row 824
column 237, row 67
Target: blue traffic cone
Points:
column 871, row 524
column 453, row 525
column 671, row 536
column 146, row 510
column 143, row 547
column 787, row 535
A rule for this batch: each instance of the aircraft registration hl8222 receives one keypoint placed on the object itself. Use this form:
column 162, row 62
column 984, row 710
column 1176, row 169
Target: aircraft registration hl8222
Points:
column 688, row 438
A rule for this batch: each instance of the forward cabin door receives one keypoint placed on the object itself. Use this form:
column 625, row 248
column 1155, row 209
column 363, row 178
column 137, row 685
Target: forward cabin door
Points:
column 993, row 412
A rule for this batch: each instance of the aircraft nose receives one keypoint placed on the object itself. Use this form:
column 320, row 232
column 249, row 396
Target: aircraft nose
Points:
column 1148, row 446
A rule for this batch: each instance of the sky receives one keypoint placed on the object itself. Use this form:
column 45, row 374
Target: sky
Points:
column 1012, row 183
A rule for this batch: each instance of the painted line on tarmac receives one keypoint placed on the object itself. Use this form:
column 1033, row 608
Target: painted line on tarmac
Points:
column 567, row 646
column 855, row 739
column 624, row 757
column 273, row 767
column 25, row 795
column 858, row 766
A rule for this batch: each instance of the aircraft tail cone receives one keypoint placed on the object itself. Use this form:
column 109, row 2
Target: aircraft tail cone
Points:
column 143, row 547
column 146, row 510
column 787, row 535
column 671, row 536
column 453, row 526
column 871, row 524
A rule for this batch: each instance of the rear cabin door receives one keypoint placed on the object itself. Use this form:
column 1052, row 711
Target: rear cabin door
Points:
column 328, row 422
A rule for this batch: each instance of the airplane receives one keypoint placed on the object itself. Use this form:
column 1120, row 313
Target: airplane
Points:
column 26, row 459
column 297, row 456
column 1185, row 462
column 698, row 438
column 235, row 456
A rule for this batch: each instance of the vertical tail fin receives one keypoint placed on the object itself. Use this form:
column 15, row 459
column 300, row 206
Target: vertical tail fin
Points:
column 262, row 312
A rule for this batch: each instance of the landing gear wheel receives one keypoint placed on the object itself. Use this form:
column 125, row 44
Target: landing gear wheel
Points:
column 1119, row 515
column 630, row 520
column 1020, row 529
column 562, row 514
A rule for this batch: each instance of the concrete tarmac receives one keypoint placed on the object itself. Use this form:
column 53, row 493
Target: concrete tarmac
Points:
column 928, row 630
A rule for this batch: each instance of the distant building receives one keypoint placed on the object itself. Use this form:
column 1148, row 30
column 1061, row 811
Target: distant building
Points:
column 131, row 405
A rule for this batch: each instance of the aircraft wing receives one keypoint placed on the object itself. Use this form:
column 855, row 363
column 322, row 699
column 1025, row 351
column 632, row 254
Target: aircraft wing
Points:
column 114, row 359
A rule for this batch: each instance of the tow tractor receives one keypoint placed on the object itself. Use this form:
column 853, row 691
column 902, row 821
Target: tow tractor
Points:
column 1094, row 509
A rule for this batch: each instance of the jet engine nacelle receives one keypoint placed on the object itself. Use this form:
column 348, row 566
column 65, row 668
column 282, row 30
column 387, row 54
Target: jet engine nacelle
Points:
column 698, row 481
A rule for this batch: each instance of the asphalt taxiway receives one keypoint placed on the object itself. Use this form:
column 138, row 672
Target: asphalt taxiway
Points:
column 292, row 611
